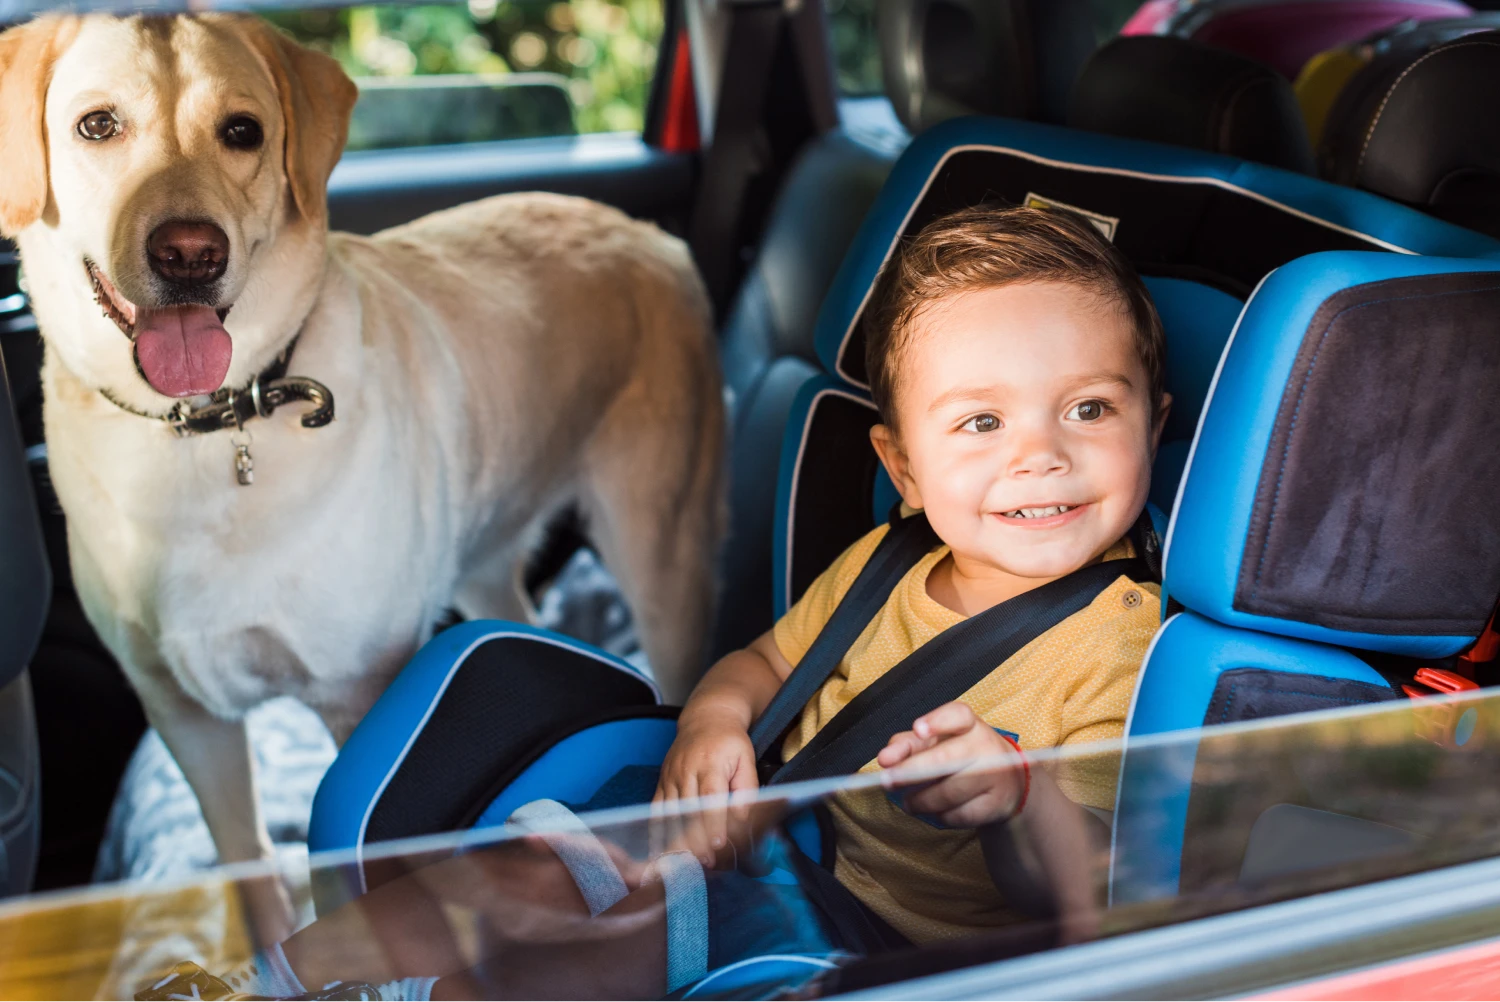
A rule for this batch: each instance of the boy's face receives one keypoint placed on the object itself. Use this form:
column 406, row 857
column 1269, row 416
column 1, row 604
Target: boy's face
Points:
column 1026, row 427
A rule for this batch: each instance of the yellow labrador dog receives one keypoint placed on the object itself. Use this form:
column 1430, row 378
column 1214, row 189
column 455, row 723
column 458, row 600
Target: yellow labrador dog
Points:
column 165, row 179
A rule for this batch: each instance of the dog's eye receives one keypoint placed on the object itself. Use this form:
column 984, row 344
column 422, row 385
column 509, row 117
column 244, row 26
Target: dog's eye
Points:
column 242, row 133
column 98, row 125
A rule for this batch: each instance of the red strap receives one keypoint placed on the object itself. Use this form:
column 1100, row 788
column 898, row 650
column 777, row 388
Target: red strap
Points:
column 1026, row 778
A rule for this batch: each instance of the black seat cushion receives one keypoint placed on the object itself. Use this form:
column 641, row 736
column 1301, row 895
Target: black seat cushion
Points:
column 1424, row 129
column 1172, row 90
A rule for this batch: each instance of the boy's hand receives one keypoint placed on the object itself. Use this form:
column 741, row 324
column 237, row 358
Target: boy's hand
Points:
column 712, row 756
column 952, row 736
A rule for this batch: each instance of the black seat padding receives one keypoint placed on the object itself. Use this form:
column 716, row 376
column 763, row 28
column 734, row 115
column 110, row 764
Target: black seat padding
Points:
column 1013, row 58
column 25, row 588
column 1173, row 90
column 25, row 580
column 820, row 206
column 1424, row 129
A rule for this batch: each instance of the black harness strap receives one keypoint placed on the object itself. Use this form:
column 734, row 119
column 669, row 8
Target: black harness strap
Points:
column 945, row 668
column 938, row 672
column 907, row 542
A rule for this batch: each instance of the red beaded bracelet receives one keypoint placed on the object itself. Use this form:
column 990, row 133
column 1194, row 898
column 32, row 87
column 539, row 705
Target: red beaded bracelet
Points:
column 1026, row 778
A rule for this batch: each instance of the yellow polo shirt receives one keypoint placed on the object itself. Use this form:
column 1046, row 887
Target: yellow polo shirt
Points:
column 1071, row 685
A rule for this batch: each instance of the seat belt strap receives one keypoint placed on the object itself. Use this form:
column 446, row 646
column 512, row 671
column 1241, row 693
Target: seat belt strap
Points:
column 946, row 667
column 906, row 543
column 735, row 154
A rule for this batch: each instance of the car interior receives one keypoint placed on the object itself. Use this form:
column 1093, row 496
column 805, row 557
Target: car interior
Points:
column 1311, row 192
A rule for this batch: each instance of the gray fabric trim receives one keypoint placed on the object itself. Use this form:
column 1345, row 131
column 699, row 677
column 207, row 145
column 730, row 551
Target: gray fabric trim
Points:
column 687, row 917
column 580, row 850
column 1375, row 512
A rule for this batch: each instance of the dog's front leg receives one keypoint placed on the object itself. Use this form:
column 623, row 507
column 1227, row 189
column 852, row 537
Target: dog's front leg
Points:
column 214, row 755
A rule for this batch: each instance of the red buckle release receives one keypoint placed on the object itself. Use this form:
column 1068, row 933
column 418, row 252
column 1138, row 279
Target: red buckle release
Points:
column 1445, row 725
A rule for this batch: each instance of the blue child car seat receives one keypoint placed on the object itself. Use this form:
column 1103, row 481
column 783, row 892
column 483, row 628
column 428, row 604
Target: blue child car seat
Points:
column 1203, row 229
column 1338, row 502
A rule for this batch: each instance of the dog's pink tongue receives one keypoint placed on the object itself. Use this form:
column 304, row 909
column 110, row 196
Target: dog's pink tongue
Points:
column 183, row 350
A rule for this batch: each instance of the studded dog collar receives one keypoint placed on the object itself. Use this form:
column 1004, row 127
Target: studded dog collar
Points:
column 230, row 409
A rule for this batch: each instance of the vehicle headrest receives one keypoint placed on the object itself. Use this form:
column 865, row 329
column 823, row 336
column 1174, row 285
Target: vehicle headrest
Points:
column 1017, row 58
column 1335, row 493
column 1285, row 34
column 1172, row 90
column 1177, row 213
column 26, row 581
column 1421, row 129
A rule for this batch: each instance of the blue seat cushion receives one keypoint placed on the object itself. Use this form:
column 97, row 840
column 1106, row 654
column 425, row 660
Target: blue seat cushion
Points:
column 1200, row 673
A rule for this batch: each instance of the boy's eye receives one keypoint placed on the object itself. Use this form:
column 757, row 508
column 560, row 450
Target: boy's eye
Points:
column 1089, row 410
column 982, row 423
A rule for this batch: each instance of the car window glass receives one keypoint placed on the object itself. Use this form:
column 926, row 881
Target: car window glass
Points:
column 488, row 69
column 1207, row 822
column 856, row 48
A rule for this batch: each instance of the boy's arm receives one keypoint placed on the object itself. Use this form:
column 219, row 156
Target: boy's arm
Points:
column 1042, row 862
column 1013, row 806
column 712, row 754
column 740, row 686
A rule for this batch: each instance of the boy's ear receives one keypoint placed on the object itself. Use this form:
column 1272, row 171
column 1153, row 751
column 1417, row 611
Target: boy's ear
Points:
column 1159, row 424
column 897, row 464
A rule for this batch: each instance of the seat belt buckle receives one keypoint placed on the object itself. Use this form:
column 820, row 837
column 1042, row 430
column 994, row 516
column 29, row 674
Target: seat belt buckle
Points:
column 1448, row 725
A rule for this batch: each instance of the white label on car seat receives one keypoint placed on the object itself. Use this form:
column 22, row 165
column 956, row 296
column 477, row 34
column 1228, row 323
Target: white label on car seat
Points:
column 1104, row 224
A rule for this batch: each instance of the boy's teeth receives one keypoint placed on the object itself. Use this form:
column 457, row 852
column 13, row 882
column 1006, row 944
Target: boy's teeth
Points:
column 1056, row 509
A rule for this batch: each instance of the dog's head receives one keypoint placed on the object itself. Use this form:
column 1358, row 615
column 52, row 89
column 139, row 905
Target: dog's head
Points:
column 159, row 173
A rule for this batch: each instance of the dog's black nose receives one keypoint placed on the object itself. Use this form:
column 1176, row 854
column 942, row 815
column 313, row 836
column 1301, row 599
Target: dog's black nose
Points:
column 188, row 253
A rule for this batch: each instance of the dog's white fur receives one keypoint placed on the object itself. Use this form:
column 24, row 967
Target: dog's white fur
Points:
column 490, row 364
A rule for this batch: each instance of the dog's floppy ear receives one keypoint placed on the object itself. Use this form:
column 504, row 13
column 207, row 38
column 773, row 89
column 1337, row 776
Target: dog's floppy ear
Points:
column 316, row 100
column 26, row 55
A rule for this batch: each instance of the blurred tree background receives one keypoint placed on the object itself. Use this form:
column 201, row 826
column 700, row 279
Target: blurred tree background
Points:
column 605, row 50
column 507, row 69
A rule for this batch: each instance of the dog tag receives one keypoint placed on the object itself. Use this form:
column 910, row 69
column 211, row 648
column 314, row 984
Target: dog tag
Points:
column 244, row 466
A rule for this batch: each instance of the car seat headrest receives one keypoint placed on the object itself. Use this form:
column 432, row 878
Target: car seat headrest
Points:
column 946, row 58
column 1339, row 489
column 1172, row 90
column 1420, row 129
column 1176, row 213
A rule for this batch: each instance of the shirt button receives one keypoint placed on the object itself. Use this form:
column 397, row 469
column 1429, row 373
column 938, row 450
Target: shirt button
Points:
column 1131, row 598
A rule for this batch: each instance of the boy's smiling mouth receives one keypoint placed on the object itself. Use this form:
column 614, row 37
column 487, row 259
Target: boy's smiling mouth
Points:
column 1042, row 516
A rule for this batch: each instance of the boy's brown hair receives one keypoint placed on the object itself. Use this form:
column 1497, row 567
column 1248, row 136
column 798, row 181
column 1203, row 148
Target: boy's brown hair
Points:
column 992, row 245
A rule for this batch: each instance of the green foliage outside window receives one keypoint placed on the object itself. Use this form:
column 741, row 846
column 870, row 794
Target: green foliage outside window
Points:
column 602, row 52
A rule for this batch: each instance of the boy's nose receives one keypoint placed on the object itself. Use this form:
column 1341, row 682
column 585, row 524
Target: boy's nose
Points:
column 1038, row 454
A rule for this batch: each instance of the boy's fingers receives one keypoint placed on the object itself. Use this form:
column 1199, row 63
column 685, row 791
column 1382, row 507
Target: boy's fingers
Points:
column 987, row 786
column 712, row 815
column 948, row 720
column 898, row 748
column 743, row 782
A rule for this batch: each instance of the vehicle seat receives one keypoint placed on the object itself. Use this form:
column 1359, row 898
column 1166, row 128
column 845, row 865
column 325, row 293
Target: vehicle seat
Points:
column 1284, row 34
column 1424, row 129
column 1311, row 530
column 25, row 587
column 940, row 59
column 1324, row 76
column 1183, row 93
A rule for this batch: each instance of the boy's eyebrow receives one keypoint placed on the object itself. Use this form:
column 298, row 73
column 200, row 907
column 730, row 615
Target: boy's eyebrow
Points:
column 1102, row 377
column 961, row 393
